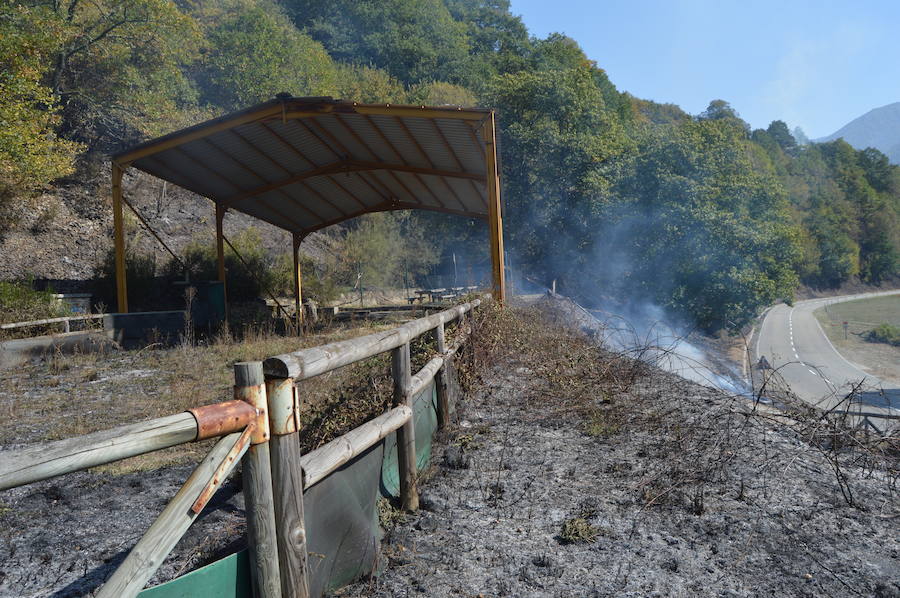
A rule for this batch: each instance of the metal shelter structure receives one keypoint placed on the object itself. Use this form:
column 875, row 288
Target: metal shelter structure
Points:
column 303, row 164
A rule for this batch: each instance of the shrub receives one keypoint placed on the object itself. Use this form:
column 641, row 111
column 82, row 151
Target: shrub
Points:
column 140, row 279
column 319, row 282
column 247, row 280
column 20, row 303
column 577, row 529
column 885, row 333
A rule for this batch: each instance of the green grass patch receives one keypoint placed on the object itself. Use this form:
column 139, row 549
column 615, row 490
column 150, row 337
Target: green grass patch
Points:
column 862, row 316
column 875, row 311
column 577, row 530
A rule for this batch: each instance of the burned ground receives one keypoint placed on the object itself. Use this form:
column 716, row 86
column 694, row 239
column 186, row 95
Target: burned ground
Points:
column 571, row 471
column 575, row 472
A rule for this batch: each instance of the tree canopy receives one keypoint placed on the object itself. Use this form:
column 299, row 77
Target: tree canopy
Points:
column 612, row 195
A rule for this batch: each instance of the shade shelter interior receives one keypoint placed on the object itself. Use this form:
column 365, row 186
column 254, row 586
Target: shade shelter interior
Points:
column 302, row 164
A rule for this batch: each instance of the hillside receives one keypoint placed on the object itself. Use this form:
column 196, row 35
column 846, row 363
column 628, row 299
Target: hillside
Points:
column 609, row 195
column 878, row 128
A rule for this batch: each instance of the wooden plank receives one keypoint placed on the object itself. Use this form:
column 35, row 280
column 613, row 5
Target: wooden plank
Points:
column 48, row 460
column 406, row 434
column 287, row 482
column 150, row 551
column 423, row 377
column 440, row 379
column 318, row 464
column 262, row 539
column 307, row 363
column 65, row 319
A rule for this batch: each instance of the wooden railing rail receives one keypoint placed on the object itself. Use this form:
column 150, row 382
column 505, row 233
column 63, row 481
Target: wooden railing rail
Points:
column 65, row 320
column 314, row 361
column 260, row 428
column 293, row 473
column 233, row 422
column 32, row 464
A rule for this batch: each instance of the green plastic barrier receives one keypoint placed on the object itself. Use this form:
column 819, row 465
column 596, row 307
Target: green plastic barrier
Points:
column 341, row 515
column 425, row 414
column 225, row 578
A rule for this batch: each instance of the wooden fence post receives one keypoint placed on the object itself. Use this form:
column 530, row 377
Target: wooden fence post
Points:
column 249, row 386
column 287, row 480
column 406, row 435
column 441, row 379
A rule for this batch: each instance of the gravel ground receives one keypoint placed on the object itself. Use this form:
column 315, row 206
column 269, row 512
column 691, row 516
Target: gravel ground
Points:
column 684, row 497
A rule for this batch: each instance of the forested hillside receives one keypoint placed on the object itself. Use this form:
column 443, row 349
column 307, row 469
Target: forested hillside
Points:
column 878, row 128
column 607, row 193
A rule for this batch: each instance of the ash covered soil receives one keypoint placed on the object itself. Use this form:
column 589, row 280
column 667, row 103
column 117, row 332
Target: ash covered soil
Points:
column 571, row 471
column 574, row 472
column 64, row 537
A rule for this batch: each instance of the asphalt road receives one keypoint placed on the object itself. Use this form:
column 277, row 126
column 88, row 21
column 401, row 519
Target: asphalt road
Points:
column 793, row 342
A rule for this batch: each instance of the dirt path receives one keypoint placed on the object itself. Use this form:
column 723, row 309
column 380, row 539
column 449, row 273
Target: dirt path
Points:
column 682, row 497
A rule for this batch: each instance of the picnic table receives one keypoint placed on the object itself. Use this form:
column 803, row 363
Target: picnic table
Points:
column 440, row 294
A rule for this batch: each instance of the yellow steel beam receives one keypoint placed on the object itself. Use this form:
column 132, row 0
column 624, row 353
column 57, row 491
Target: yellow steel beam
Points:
column 197, row 132
column 119, row 237
column 495, row 218
column 285, row 111
column 402, row 111
column 298, row 281
column 220, row 252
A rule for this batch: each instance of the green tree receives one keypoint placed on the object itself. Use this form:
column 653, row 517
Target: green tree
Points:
column 413, row 41
column 498, row 40
column 380, row 249
column 116, row 69
column 559, row 145
column 255, row 52
column 367, row 84
column 31, row 154
column 780, row 133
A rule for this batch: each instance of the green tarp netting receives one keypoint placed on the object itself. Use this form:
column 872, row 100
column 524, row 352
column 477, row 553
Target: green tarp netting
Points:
column 341, row 517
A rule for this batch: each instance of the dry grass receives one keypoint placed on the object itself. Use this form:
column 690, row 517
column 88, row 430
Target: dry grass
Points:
column 699, row 444
column 72, row 395
column 581, row 377
column 76, row 394
column 863, row 315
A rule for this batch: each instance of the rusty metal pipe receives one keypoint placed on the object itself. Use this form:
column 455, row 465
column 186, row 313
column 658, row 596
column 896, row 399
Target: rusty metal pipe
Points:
column 221, row 419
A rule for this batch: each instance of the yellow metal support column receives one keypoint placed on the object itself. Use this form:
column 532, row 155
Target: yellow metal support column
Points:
column 119, row 237
column 298, row 281
column 220, row 252
column 495, row 218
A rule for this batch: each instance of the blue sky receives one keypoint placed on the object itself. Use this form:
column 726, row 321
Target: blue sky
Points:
column 813, row 64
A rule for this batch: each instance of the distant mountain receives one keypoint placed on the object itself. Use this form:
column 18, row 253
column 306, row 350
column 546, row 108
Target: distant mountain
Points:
column 878, row 128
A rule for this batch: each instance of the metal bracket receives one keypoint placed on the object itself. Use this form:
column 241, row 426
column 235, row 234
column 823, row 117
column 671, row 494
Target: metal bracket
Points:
column 219, row 474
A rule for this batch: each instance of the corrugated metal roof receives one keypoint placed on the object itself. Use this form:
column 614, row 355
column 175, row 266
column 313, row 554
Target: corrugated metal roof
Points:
column 306, row 163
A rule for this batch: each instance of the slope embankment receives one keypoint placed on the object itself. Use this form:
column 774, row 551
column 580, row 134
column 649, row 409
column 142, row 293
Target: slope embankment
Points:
column 577, row 472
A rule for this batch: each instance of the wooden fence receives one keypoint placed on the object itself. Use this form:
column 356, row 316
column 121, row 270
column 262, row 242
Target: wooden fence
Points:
column 260, row 427
column 65, row 321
